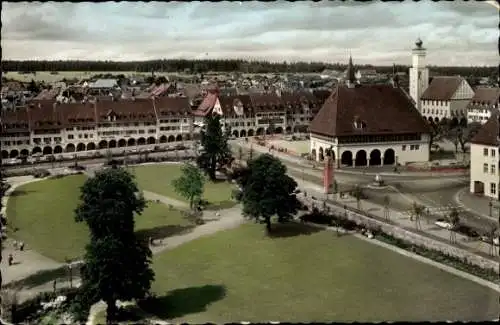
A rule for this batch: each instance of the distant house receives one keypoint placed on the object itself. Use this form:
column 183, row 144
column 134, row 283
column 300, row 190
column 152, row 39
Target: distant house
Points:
column 484, row 102
column 103, row 84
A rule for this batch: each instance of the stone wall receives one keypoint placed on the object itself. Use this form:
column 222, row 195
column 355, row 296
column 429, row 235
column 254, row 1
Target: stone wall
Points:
column 413, row 237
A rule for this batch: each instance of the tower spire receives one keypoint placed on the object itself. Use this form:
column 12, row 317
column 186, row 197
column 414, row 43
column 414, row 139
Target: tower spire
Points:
column 351, row 79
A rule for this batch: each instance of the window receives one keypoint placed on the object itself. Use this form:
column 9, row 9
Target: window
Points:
column 71, row 136
column 404, row 147
column 485, row 152
column 79, row 136
column 412, row 147
column 417, row 146
column 493, row 152
column 485, row 168
column 493, row 188
column 493, row 169
column 91, row 135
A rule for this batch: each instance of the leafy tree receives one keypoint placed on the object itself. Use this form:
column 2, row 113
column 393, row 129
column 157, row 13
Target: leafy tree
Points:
column 268, row 190
column 216, row 150
column 417, row 212
column 492, row 234
column 190, row 184
column 454, row 220
column 387, row 202
column 250, row 154
column 357, row 193
column 116, row 262
column 33, row 87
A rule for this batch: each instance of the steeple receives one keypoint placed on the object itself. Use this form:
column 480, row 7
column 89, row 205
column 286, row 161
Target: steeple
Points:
column 351, row 79
column 395, row 78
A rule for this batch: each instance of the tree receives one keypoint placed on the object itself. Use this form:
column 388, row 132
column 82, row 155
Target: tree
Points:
column 417, row 212
column 215, row 147
column 492, row 234
column 190, row 184
column 387, row 201
column 268, row 190
column 240, row 153
column 357, row 193
column 33, row 87
column 250, row 154
column 454, row 220
column 335, row 187
column 117, row 264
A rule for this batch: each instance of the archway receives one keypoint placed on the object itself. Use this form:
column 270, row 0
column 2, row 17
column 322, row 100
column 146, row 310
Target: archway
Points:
column 122, row 143
column 141, row 141
column 47, row 150
column 313, row 154
column 478, row 187
column 361, row 158
column 163, row 139
column 69, row 148
column 151, row 140
column 436, row 120
column 26, row 153
column 278, row 130
column 5, row 154
column 251, row 133
column 330, row 153
column 430, row 119
column 178, row 137
column 288, row 130
column 321, row 154
column 296, row 129
column 375, row 158
column 260, row 131
column 14, row 153
column 346, row 158
column 90, row 146
column 187, row 137
column 243, row 133
column 463, row 122
column 112, row 143
column 389, row 157
column 39, row 150
column 57, row 149
column 236, row 133
column 171, row 138
column 80, row 147
column 131, row 142
column 103, row 144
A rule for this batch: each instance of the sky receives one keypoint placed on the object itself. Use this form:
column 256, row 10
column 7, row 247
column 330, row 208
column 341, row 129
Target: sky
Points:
column 379, row 33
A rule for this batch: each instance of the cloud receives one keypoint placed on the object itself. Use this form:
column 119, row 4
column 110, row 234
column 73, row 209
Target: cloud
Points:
column 375, row 32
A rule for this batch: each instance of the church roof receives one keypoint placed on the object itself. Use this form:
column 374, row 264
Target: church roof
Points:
column 382, row 109
column 442, row 88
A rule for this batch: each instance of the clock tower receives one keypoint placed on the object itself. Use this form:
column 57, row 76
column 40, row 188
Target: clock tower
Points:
column 419, row 73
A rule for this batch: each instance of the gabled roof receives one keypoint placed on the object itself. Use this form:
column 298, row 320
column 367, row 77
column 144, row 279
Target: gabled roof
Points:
column 488, row 133
column 486, row 96
column 382, row 108
column 442, row 88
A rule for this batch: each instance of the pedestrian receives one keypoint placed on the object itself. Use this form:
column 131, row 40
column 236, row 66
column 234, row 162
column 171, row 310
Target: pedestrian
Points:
column 10, row 259
column 21, row 246
column 15, row 244
column 54, row 284
column 151, row 241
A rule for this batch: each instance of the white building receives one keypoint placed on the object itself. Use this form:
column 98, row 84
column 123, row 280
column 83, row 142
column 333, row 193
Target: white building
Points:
column 446, row 97
column 419, row 73
column 369, row 125
column 484, row 156
column 484, row 102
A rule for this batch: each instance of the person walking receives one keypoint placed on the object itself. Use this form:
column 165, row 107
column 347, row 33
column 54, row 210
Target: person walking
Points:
column 21, row 246
column 11, row 259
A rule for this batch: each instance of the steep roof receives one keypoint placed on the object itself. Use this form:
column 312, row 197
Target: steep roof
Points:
column 382, row 108
column 486, row 96
column 442, row 88
column 488, row 133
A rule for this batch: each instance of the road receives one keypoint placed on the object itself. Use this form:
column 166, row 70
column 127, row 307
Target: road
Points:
column 435, row 193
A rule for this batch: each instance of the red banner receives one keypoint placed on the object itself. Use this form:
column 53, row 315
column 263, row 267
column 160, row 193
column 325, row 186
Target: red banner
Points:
column 327, row 174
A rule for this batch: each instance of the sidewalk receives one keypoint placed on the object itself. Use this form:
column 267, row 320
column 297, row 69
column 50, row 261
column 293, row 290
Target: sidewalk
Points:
column 400, row 219
column 478, row 204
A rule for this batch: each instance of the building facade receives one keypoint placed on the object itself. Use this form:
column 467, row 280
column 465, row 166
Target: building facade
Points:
column 484, row 159
column 81, row 127
column 484, row 102
column 369, row 125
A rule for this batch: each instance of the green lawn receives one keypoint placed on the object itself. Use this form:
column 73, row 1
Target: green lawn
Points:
column 242, row 274
column 43, row 212
column 158, row 179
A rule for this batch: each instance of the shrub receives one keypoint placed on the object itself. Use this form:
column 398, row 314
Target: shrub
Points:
column 317, row 217
column 40, row 173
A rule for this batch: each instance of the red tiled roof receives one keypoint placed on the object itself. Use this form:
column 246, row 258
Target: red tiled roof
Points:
column 442, row 88
column 488, row 133
column 383, row 108
column 486, row 96
column 133, row 110
column 171, row 105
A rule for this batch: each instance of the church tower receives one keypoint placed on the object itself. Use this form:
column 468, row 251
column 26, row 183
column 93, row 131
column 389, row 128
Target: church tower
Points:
column 419, row 74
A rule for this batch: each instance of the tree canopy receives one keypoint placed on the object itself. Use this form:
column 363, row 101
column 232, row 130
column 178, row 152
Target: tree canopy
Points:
column 117, row 264
column 216, row 151
column 268, row 191
column 190, row 184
